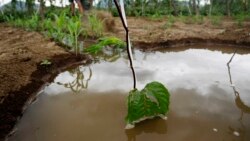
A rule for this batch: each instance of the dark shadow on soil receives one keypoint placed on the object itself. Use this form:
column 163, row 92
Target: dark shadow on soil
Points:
column 186, row 42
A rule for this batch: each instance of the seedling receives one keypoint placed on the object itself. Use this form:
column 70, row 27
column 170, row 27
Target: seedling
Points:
column 45, row 62
column 75, row 30
column 153, row 100
column 96, row 25
column 103, row 42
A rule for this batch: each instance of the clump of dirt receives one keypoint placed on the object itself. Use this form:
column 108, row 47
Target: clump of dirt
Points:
column 22, row 74
column 107, row 19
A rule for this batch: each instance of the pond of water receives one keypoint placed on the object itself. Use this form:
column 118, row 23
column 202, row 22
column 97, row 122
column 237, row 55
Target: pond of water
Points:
column 209, row 100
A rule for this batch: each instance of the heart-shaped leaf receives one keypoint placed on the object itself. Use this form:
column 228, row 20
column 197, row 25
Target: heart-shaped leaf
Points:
column 152, row 101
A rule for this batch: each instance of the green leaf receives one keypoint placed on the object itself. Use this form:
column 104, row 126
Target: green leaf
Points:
column 103, row 42
column 152, row 101
column 46, row 62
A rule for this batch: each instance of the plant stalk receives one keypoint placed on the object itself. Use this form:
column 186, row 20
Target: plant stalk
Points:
column 127, row 40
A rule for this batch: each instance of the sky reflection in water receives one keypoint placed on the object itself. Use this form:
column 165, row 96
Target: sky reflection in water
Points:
column 203, row 103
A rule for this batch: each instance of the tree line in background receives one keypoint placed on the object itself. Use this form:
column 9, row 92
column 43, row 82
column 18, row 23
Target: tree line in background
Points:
column 159, row 7
column 60, row 25
column 29, row 6
column 176, row 7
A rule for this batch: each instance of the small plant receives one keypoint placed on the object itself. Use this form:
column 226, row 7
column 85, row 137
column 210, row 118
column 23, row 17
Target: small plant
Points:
column 216, row 20
column 45, row 62
column 96, row 26
column 29, row 23
column 187, row 19
column 59, row 26
column 75, row 30
column 156, row 16
column 9, row 18
column 199, row 19
column 170, row 22
column 2, row 16
column 192, row 19
column 47, row 27
column 19, row 23
column 33, row 22
column 107, row 41
column 240, row 18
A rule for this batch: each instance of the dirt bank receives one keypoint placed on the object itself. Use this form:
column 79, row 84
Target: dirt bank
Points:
column 21, row 73
column 147, row 33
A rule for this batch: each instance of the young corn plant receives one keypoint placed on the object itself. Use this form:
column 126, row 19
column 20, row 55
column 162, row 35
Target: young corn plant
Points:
column 48, row 27
column 60, row 26
column 75, row 29
column 19, row 23
column 33, row 22
column 96, row 26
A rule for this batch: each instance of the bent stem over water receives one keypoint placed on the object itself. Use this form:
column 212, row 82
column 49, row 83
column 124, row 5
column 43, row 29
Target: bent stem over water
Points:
column 125, row 25
column 150, row 102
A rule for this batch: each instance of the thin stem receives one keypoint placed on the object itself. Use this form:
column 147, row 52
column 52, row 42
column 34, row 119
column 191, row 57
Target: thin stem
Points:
column 231, row 58
column 127, row 40
column 228, row 65
column 230, row 76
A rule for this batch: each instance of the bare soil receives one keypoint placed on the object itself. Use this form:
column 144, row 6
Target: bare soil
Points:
column 21, row 73
column 147, row 33
column 21, row 53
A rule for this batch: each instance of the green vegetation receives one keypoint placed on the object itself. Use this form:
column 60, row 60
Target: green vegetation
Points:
column 150, row 102
column 192, row 19
column 240, row 18
column 156, row 16
column 75, row 29
column 46, row 62
column 96, row 26
column 29, row 23
column 57, row 25
column 170, row 22
column 216, row 20
column 103, row 42
column 189, row 11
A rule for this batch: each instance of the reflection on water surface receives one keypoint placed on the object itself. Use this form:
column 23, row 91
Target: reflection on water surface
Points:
column 89, row 102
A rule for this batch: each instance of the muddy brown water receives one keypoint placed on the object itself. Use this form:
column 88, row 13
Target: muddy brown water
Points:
column 89, row 102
